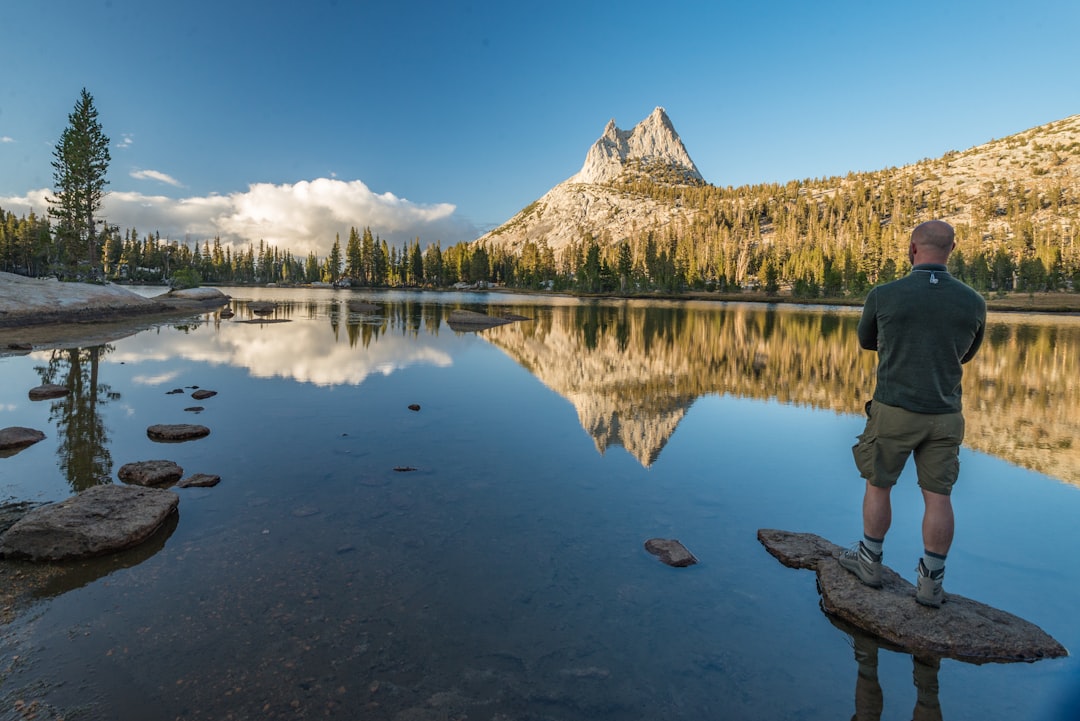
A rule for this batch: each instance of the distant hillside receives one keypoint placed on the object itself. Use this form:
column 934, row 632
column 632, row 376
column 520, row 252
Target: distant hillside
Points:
column 1015, row 203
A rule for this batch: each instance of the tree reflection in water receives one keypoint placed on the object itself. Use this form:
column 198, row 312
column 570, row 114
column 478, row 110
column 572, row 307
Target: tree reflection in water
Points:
column 82, row 436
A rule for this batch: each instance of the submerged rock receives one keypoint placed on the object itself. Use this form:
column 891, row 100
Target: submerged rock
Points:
column 671, row 552
column 176, row 432
column 962, row 628
column 150, row 473
column 203, row 394
column 100, row 520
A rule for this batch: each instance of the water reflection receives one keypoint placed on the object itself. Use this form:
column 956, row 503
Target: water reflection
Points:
column 507, row 578
column 83, row 446
column 632, row 370
column 869, row 699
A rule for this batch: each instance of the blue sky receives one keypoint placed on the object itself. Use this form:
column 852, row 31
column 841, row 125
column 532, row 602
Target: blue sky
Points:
column 291, row 121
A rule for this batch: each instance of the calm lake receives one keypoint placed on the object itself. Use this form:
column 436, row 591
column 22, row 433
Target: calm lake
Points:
column 482, row 557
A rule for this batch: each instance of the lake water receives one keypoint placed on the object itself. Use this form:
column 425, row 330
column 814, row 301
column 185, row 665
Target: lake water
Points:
column 504, row 577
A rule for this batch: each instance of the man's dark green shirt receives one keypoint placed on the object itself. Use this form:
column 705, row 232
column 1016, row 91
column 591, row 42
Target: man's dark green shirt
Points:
column 923, row 326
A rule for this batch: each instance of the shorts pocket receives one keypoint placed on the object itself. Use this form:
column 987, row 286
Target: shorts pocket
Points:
column 863, row 451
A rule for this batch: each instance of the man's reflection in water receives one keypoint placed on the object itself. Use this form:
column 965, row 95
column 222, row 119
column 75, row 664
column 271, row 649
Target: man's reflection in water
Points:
column 868, row 697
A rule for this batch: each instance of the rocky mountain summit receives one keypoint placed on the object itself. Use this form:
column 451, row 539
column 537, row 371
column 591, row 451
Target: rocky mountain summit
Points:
column 651, row 148
column 599, row 198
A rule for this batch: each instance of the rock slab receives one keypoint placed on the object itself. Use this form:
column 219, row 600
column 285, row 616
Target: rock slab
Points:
column 150, row 473
column 962, row 628
column 200, row 480
column 16, row 437
column 671, row 552
column 100, row 520
column 176, row 432
column 203, row 394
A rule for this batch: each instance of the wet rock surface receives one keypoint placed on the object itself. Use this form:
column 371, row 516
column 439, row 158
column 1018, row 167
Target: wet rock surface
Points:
column 47, row 391
column 15, row 438
column 202, row 394
column 962, row 628
column 176, row 432
column 199, row 480
column 100, row 520
column 150, row 473
column 671, row 552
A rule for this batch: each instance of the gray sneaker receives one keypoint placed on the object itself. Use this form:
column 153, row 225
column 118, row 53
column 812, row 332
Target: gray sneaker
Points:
column 864, row 563
column 929, row 592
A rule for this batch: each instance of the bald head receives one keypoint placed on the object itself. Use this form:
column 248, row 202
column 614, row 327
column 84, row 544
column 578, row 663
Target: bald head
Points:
column 932, row 242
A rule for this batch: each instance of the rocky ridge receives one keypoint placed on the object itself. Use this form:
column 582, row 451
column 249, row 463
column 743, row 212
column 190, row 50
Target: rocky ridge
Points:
column 593, row 199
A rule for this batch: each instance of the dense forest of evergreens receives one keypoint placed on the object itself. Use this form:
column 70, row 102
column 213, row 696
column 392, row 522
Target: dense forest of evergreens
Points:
column 813, row 238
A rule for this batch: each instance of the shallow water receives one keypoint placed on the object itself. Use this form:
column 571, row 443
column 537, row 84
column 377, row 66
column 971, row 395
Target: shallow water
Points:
column 505, row 577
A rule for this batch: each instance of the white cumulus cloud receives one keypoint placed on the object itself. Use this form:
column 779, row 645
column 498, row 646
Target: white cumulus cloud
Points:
column 302, row 217
column 156, row 175
column 126, row 140
column 6, row 139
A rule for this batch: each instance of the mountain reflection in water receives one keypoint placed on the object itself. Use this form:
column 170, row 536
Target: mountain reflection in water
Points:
column 633, row 369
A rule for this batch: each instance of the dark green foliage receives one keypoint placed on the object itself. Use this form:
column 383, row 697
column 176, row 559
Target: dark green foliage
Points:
column 81, row 159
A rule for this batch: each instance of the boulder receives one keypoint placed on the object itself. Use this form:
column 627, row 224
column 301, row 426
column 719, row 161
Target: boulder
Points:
column 15, row 438
column 203, row 394
column 200, row 294
column 362, row 306
column 176, row 432
column 962, row 629
column 48, row 391
column 466, row 320
column 671, row 552
column 150, row 473
column 100, row 520
column 199, row 480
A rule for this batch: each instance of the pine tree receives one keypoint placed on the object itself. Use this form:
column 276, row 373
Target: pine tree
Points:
column 81, row 161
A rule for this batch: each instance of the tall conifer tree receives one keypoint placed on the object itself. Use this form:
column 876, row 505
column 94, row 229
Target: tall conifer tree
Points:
column 81, row 159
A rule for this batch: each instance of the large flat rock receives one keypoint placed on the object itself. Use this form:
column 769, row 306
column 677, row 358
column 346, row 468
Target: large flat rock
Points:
column 100, row 520
column 962, row 628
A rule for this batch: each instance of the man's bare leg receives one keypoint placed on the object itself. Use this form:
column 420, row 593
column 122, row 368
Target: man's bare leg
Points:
column 877, row 511
column 938, row 523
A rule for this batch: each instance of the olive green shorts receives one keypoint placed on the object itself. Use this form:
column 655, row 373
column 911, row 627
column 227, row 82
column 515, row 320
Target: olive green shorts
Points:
column 892, row 434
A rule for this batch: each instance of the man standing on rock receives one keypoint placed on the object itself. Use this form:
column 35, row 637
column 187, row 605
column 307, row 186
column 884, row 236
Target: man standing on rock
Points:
column 924, row 327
